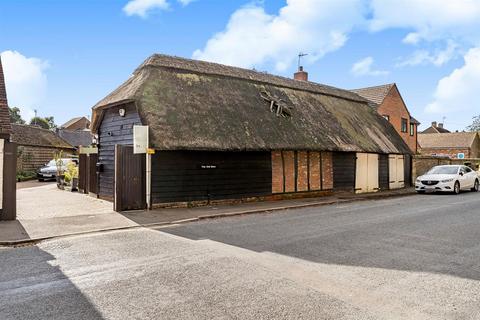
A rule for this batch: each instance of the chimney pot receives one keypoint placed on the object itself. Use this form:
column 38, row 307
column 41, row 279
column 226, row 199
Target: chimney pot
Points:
column 434, row 124
column 440, row 125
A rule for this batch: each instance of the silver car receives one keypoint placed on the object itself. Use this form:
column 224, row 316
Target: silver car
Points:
column 49, row 171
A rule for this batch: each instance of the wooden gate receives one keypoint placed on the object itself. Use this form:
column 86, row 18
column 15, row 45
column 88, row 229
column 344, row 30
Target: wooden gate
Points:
column 130, row 189
column 87, row 173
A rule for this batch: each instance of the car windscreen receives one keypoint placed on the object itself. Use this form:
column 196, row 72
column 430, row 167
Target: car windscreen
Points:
column 443, row 170
column 52, row 163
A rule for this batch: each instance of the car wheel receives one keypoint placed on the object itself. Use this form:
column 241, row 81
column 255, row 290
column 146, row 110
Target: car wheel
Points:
column 456, row 188
column 475, row 186
column 421, row 191
column 41, row 180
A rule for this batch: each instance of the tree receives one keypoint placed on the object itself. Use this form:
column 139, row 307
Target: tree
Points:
column 15, row 116
column 475, row 126
column 51, row 123
column 41, row 122
column 45, row 123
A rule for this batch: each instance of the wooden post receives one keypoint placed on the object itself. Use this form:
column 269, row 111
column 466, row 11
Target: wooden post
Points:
column 117, row 197
column 9, row 200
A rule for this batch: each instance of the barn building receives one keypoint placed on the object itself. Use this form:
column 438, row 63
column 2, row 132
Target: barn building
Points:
column 221, row 132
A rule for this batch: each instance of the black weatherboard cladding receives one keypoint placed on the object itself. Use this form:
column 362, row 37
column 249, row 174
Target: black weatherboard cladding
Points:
column 182, row 176
column 113, row 130
column 408, row 170
column 383, row 172
column 344, row 170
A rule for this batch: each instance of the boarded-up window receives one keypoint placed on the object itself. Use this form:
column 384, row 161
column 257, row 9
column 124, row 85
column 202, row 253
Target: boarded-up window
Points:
column 301, row 171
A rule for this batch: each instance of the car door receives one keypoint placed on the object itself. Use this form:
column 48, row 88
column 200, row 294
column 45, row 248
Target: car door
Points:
column 463, row 178
column 472, row 175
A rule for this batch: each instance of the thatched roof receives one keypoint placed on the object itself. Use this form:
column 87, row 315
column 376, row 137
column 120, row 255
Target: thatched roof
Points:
column 196, row 105
column 26, row 135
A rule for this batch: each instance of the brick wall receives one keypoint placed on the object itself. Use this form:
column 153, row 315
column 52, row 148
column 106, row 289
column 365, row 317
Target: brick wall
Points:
column 301, row 171
column 32, row 158
column 395, row 108
column 448, row 152
column 421, row 164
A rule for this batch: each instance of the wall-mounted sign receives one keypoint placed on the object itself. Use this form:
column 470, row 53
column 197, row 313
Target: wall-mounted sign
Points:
column 150, row 151
column 461, row 156
column 207, row 166
column 88, row 150
column 140, row 139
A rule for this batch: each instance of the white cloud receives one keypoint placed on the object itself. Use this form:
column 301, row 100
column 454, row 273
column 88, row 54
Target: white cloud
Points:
column 430, row 19
column 459, row 90
column 412, row 38
column 253, row 37
column 142, row 8
column 364, row 67
column 25, row 80
column 437, row 58
column 185, row 2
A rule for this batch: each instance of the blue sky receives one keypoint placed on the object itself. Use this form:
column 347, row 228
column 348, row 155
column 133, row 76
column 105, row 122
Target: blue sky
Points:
column 61, row 57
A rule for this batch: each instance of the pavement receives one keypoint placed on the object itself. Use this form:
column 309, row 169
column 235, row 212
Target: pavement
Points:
column 45, row 212
column 393, row 258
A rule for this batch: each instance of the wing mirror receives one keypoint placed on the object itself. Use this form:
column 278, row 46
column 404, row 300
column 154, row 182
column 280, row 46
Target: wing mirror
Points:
column 461, row 173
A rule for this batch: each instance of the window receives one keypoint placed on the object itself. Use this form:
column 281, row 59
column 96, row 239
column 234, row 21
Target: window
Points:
column 468, row 170
column 387, row 117
column 412, row 129
column 404, row 125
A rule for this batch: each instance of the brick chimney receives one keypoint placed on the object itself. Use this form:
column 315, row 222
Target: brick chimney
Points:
column 5, row 127
column 434, row 124
column 300, row 74
column 440, row 125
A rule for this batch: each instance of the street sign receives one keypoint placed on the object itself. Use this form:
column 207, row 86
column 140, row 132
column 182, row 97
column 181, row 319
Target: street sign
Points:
column 140, row 139
column 461, row 156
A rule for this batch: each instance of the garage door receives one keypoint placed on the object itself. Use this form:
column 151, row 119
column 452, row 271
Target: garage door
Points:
column 366, row 173
column 396, row 171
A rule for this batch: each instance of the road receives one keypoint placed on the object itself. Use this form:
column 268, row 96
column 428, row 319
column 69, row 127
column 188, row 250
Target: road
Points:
column 414, row 257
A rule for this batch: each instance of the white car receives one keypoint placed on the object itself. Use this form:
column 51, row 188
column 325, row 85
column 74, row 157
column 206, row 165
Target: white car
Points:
column 452, row 178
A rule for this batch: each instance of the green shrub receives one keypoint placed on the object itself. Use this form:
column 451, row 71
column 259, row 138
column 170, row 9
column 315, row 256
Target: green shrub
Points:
column 26, row 175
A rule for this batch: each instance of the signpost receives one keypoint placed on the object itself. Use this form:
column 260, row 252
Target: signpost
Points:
column 140, row 145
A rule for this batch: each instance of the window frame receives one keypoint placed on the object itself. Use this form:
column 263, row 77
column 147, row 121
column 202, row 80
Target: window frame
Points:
column 402, row 128
column 412, row 129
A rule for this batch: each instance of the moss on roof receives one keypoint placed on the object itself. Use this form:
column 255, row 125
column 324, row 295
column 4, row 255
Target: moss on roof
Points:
column 192, row 105
column 26, row 135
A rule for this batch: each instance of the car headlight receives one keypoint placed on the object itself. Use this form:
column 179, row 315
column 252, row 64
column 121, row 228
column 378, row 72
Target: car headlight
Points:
column 418, row 179
column 447, row 180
